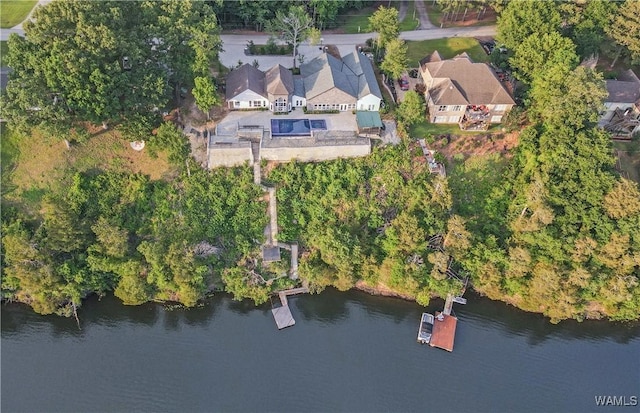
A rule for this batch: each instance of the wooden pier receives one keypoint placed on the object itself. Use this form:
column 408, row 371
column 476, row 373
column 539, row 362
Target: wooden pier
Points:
column 282, row 315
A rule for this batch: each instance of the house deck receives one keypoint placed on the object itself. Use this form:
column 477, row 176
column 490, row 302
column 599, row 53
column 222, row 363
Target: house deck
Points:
column 444, row 332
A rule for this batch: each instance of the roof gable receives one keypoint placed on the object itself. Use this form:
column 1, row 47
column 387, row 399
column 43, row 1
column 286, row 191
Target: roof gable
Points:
column 246, row 77
column 279, row 81
column 361, row 66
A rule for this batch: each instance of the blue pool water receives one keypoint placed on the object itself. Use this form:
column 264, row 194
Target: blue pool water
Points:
column 296, row 127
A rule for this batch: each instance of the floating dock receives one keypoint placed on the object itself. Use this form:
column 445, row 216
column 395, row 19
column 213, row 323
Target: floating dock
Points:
column 282, row 315
column 444, row 331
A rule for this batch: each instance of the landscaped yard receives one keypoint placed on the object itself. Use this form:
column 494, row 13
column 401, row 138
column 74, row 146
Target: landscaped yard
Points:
column 14, row 12
column 4, row 49
column 448, row 48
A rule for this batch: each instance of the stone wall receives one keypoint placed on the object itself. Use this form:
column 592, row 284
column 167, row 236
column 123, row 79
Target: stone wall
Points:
column 311, row 153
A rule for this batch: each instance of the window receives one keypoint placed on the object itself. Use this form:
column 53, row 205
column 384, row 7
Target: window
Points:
column 500, row 108
column 454, row 119
column 442, row 108
column 236, row 103
column 496, row 119
column 440, row 119
column 257, row 103
column 372, row 107
column 457, row 108
column 352, row 106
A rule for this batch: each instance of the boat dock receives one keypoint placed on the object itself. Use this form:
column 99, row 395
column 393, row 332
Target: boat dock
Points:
column 444, row 331
column 444, row 325
column 282, row 315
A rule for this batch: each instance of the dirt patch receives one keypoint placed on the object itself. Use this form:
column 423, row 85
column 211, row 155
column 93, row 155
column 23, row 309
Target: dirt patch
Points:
column 469, row 145
column 191, row 116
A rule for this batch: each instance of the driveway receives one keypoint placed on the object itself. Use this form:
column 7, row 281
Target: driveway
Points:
column 421, row 10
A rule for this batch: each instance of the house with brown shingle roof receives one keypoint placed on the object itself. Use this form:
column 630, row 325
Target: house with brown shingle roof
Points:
column 461, row 91
column 623, row 94
column 279, row 85
column 245, row 88
column 326, row 83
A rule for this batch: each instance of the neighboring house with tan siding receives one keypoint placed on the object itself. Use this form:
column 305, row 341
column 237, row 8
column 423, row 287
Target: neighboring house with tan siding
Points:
column 463, row 92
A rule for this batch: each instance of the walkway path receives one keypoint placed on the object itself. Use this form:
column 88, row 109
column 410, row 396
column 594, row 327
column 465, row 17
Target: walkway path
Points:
column 423, row 16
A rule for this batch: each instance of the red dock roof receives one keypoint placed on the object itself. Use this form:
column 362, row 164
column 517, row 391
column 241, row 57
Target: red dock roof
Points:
column 444, row 332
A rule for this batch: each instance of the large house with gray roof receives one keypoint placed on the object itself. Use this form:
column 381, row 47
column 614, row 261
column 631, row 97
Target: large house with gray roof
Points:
column 461, row 91
column 325, row 83
column 622, row 93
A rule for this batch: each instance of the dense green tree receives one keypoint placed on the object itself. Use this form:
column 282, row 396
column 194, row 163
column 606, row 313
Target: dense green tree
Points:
column 412, row 109
column 205, row 95
column 292, row 27
column 572, row 98
column 106, row 61
column 587, row 23
column 169, row 138
column 521, row 19
column 624, row 30
column 385, row 22
column 538, row 52
column 395, row 58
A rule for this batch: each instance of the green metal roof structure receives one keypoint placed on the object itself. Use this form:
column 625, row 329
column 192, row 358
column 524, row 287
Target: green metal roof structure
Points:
column 368, row 119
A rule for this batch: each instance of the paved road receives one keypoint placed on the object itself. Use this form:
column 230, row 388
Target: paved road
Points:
column 233, row 44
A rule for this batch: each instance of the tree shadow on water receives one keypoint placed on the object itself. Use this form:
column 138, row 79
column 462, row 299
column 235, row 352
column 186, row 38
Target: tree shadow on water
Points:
column 538, row 328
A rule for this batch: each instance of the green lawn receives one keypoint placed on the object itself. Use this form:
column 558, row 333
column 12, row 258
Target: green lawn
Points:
column 14, row 12
column 448, row 48
column 356, row 19
column 4, row 49
column 424, row 129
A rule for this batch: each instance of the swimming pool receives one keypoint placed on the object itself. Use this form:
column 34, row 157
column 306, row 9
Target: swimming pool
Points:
column 296, row 127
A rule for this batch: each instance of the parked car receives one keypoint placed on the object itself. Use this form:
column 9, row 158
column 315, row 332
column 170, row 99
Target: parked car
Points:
column 404, row 83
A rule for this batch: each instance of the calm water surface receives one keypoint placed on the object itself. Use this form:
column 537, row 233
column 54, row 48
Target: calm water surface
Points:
column 347, row 352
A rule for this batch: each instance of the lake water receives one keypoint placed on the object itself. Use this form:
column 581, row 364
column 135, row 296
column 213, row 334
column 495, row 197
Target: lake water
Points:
column 347, row 352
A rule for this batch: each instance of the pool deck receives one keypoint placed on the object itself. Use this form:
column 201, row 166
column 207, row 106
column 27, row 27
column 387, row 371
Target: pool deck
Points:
column 344, row 121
